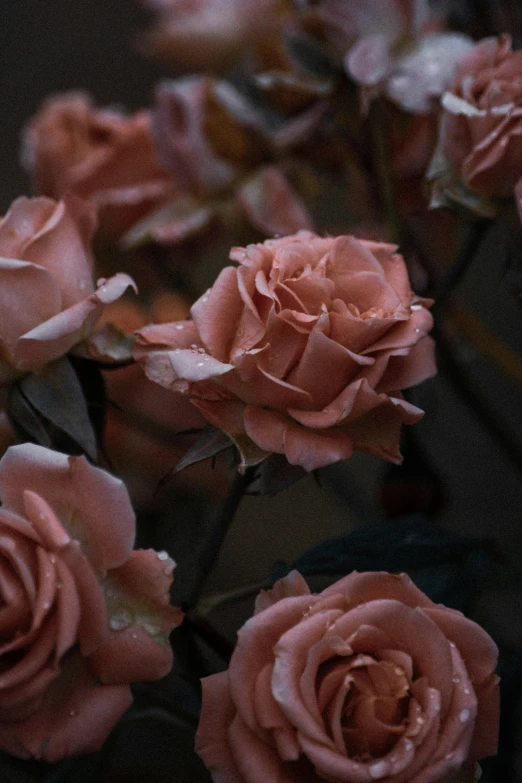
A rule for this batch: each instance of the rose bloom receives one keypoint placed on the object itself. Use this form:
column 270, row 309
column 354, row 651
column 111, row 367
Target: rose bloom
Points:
column 82, row 615
column 99, row 154
column 368, row 680
column 301, row 350
column 481, row 131
column 394, row 47
column 48, row 299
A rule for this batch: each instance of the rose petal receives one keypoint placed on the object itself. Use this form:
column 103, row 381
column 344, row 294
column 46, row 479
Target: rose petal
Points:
column 75, row 716
column 83, row 497
column 217, row 713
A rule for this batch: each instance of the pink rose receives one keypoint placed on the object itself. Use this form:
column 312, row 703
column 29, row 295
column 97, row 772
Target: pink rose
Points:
column 301, row 350
column 394, row 47
column 368, row 680
column 82, row 614
column 481, row 132
column 99, row 154
column 48, row 300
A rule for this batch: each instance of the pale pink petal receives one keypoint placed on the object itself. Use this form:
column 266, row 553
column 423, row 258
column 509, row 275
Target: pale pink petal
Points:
column 289, row 586
column 18, row 280
column 56, row 336
column 216, row 314
column 92, row 505
column 271, row 204
column 305, row 447
column 217, row 714
column 69, row 229
column 75, row 716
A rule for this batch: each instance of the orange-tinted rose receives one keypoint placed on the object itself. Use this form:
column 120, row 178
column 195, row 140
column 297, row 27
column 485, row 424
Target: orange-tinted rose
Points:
column 99, row 154
column 301, row 350
column 82, row 615
column 368, row 680
column 481, row 132
column 48, row 300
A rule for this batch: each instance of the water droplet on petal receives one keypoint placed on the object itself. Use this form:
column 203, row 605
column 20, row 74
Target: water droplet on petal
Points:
column 120, row 620
column 163, row 555
column 464, row 715
column 379, row 770
column 179, row 326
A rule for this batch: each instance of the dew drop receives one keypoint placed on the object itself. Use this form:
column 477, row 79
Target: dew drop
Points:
column 73, row 713
column 456, row 679
column 464, row 716
column 416, row 307
column 179, row 327
column 163, row 555
column 200, row 364
column 408, row 744
column 467, row 691
column 120, row 620
column 379, row 770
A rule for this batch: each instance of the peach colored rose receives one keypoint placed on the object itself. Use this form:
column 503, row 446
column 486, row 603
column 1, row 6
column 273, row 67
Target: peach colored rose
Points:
column 301, row 350
column 368, row 680
column 82, row 614
column 481, row 131
column 99, row 154
column 48, row 300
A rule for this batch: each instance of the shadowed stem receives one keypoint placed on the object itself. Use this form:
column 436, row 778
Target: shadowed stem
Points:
column 219, row 529
column 383, row 170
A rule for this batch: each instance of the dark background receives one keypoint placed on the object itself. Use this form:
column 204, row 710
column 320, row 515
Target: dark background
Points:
column 47, row 46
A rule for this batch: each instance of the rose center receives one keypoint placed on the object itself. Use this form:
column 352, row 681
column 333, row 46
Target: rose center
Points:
column 371, row 711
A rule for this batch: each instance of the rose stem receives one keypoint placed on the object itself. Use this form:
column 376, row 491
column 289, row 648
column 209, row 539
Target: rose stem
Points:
column 382, row 158
column 218, row 531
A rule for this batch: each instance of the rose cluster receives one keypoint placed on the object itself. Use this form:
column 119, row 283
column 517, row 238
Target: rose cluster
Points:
column 368, row 680
column 302, row 350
